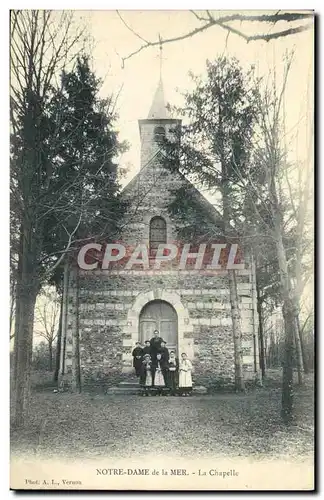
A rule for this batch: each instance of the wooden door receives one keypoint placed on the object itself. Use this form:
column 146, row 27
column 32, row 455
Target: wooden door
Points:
column 147, row 327
column 161, row 316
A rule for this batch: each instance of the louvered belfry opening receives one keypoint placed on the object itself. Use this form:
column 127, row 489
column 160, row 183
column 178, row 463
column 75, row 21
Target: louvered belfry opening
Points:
column 159, row 135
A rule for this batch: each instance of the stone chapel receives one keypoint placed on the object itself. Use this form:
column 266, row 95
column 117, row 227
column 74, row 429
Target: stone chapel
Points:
column 106, row 311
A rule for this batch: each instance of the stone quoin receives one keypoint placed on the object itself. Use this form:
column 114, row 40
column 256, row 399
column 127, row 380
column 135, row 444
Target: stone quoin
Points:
column 107, row 307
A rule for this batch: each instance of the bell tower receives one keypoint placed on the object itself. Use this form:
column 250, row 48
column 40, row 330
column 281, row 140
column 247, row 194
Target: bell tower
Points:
column 157, row 125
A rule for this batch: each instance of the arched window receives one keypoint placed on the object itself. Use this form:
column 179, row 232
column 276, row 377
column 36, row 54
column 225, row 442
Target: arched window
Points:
column 159, row 135
column 158, row 233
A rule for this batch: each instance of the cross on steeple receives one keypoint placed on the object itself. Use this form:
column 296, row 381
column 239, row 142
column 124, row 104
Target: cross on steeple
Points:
column 161, row 49
column 160, row 55
column 158, row 109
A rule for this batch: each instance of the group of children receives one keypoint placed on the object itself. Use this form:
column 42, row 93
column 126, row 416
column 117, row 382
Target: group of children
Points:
column 159, row 370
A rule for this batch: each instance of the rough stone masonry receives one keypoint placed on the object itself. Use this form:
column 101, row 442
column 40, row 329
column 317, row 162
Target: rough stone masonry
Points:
column 106, row 311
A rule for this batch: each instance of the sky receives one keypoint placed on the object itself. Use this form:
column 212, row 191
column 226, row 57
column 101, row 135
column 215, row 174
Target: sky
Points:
column 136, row 82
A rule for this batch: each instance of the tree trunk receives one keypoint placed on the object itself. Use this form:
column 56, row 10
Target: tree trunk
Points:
column 28, row 288
column 261, row 336
column 50, row 356
column 17, row 311
column 235, row 309
column 239, row 380
column 255, row 335
column 288, row 308
column 299, row 355
column 17, row 319
column 12, row 308
column 58, row 343
column 301, row 339
column 76, row 373
column 64, row 312
column 228, row 232
column 287, row 379
column 290, row 326
column 24, row 342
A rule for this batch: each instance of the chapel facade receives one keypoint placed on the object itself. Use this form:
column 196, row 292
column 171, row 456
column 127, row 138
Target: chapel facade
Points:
column 107, row 310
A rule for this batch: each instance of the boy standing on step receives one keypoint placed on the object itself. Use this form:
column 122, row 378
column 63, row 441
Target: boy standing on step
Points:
column 173, row 369
column 164, row 351
column 147, row 348
column 137, row 358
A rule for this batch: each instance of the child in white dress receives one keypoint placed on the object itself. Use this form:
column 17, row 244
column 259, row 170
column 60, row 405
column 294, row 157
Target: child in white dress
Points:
column 159, row 382
column 185, row 380
column 146, row 379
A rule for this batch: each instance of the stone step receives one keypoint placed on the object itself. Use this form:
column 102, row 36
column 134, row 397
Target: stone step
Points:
column 129, row 383
column 125, row 389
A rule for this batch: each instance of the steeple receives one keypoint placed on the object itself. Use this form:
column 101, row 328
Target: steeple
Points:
column 158, row 124
column 158, row 110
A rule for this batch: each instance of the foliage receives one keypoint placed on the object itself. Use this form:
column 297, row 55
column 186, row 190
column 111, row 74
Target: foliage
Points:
column 87, row 176
column 63, row 151
column 220, row 112
column 216, row 137
column 64, row 174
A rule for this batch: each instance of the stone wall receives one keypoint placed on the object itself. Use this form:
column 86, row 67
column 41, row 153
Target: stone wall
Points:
column 109, row 309
column 104, row 305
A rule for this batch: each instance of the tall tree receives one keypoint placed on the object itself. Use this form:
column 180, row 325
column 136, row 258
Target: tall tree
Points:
column 40, row 44
column 214, row 145
column 52, row 188
column 300, row 199
column 268, row 203
column 256, row 229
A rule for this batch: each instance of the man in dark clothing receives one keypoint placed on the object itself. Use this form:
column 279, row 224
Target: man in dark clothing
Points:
column 164, row 351
column 137, row 358
column 173, row 372
column 147, row 348
column 155, row 343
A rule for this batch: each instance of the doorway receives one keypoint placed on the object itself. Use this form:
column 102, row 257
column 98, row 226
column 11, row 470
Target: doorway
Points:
column 159, row 315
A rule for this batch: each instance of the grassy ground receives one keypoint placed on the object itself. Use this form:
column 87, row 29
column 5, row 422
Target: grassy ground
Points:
column 221, row 425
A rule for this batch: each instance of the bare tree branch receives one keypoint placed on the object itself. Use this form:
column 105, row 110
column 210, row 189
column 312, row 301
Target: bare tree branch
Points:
column 167, row 40
column 223, row 22
column 130, row 29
